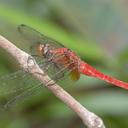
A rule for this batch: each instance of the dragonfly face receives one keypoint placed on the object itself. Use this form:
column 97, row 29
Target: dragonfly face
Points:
column 43, row 50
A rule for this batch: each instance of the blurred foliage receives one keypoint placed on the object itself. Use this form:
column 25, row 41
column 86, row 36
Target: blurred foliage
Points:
column 97, row 30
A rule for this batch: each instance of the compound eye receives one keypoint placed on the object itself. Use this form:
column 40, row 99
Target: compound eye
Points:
column 40, row 49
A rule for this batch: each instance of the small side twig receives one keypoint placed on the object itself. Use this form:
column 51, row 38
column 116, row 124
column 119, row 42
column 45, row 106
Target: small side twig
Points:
column 89, row 118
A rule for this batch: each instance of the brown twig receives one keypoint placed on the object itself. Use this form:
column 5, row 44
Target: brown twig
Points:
column 89, row 118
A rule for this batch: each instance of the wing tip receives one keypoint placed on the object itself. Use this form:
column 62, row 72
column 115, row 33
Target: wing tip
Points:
column 20, row 26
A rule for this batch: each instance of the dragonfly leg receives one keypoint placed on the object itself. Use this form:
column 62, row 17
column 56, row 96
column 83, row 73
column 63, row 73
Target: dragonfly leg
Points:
column 63, row 70
column 50, row 61
column 58, row 67
column 60, row 74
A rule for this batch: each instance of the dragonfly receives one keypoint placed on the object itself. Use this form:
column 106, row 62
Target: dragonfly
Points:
column 54, row 59
column 63, row 59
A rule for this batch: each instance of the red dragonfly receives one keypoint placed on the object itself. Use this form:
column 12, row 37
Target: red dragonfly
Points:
column 62, row 59
column 55, row 59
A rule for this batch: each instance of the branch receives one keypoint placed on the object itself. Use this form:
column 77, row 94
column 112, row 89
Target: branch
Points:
column 89, row 118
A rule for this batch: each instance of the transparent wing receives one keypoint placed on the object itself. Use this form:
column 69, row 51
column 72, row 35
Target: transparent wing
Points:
column 19, row 85
column 16, row 86
column 36, row 38
column 12, row 83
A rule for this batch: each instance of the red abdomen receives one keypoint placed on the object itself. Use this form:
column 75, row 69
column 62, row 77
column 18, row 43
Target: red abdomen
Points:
column 86, row 69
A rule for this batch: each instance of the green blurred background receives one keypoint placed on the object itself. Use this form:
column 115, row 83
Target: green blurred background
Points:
column 96, row 30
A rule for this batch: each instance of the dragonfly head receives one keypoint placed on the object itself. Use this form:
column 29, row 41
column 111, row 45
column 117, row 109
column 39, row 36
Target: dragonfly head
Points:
column 43, row 49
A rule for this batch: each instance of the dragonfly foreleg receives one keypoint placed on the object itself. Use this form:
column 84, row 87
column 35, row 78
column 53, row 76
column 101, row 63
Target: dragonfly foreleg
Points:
column 63, row 71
